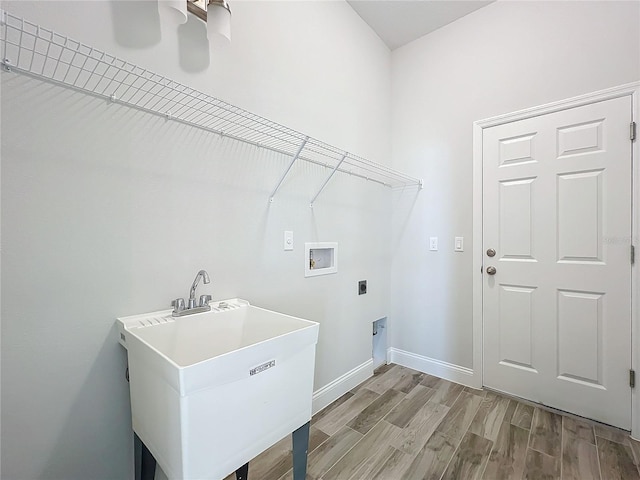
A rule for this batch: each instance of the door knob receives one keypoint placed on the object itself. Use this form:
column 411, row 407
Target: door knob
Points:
column 491, row 252
column 491, row 270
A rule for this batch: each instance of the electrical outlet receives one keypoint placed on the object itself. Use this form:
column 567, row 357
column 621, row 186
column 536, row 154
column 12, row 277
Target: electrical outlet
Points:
column 362, row 287
column 433, row 244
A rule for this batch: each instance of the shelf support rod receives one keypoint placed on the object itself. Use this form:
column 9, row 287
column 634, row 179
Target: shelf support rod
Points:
column 284, row 175
column 335, row 169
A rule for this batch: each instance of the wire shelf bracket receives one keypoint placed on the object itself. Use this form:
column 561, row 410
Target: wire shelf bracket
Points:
column 284, row 175
column 32, row 50
column 328, row 179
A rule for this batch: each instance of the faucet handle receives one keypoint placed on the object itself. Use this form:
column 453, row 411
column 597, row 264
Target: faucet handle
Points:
column 204, row 300
column 178, row 304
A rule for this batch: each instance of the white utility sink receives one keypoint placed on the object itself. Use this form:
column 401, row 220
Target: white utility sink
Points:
column 212, row 390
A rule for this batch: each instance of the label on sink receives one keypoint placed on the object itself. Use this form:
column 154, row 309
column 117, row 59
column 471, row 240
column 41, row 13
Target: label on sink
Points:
column 263, row 367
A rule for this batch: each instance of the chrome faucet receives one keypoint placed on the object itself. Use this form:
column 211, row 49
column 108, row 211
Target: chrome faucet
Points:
column 179, row 308
column 192, row 293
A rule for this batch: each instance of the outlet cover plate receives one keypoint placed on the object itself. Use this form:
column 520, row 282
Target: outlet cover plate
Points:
column 288, row 240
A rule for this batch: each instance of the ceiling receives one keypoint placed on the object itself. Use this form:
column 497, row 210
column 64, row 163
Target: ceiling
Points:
column 398, row 22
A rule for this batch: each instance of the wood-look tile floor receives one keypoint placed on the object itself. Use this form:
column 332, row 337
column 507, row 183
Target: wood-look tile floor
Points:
column 402, row 424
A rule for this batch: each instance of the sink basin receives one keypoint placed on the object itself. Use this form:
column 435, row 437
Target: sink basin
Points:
column 210, row 391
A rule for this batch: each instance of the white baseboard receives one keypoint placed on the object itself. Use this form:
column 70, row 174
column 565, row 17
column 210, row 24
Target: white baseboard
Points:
column 437, row 368
column 341, row 385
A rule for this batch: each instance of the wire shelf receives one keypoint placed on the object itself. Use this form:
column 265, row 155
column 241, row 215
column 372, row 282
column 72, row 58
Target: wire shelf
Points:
column 30, row 49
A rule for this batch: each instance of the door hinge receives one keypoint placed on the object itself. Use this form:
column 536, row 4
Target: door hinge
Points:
column 632, row 131
column 633, row 254
column 632, row 378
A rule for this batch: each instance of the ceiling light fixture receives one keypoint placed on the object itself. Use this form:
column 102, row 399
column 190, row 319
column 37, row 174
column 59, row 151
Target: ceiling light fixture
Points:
column 177, row 9
column 215, row 13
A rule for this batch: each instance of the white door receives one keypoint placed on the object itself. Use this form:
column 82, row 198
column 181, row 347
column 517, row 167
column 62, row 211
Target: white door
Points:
column 557, row 211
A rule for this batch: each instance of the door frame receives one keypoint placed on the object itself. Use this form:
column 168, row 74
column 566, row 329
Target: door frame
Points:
column 630, row 89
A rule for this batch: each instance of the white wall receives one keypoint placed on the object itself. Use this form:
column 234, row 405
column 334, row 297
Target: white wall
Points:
column 501, row 58
column 314, row 66
column 107, row 211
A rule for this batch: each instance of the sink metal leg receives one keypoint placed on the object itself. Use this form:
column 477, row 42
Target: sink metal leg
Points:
column 300, row 451
column 243, row 472
column 137, row 456
column 145, row 464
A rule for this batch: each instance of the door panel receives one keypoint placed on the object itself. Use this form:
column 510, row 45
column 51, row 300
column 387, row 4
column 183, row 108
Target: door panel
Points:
column 580, row 216
column 580, row 336
column 557, row 210
column 516, row 325
column 517, row 150
column 580, row 139
column 515, row 240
